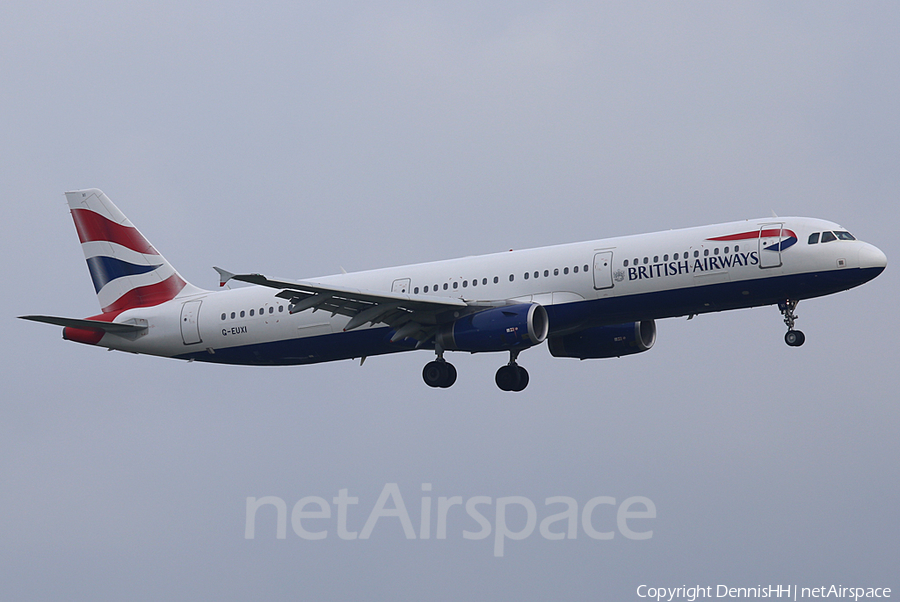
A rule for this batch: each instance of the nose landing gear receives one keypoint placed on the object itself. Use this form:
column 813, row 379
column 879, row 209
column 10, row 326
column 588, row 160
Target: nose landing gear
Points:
column 793, row 338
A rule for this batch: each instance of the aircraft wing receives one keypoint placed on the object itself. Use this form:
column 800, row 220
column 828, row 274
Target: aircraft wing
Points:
column 412, row 316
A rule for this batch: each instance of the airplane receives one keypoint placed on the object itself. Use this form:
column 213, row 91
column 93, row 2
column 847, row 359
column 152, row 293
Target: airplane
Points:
column 587, row 300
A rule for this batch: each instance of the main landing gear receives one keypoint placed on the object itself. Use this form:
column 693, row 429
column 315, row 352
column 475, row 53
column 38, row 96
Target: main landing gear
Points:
column 792, row 337
column 441, row 374
column 512, row 376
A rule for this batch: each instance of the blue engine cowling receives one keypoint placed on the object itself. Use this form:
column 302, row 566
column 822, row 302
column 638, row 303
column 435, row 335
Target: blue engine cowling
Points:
column 497, row 329
column 605, row 341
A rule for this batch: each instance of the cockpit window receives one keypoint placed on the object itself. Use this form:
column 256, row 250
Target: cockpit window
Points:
column 814, row 238
column 828, row 236
column 844, row 235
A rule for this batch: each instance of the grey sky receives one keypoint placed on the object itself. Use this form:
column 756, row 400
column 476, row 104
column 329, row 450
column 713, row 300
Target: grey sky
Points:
column 296, row 139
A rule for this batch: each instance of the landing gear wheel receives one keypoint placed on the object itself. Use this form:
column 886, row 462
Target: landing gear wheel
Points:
column 439, row 374
column 512, row 377
column 507, row 377
column 451, row 375
column 794, row 338
column 432, row 374
column 523, row 379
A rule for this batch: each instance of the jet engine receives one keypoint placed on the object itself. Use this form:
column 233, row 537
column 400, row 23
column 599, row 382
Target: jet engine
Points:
column 496, row 329
column 605, row 341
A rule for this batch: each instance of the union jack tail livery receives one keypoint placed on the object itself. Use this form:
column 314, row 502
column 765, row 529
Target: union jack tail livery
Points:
column 126, row 269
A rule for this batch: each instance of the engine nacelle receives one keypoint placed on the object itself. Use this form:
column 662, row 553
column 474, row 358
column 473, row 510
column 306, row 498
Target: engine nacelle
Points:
column 605, row 341
column 497, row 329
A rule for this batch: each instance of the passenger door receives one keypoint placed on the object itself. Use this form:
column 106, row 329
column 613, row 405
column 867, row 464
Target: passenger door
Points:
column 190, row 324
column 603, row 270
column 770, row 235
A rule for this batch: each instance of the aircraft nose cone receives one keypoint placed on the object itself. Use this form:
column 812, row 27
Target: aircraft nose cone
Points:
column 871, row 256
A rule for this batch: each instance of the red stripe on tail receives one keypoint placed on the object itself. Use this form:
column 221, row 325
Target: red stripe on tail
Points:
column 92, row 226
column 147, row 296
column 89, row 336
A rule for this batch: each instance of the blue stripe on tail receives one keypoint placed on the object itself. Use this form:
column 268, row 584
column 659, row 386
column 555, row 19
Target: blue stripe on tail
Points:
column 105, row 269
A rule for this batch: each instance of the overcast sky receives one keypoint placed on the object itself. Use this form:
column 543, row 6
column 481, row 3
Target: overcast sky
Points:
column 296, row 139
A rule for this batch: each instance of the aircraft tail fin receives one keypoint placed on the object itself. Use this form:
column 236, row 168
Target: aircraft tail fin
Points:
column 126, row 269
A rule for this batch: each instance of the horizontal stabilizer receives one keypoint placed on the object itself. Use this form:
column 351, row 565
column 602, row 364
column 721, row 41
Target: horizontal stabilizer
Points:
column 110, row 327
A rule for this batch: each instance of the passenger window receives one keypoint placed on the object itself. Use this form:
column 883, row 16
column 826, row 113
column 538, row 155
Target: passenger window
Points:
column 813, row 238
column 706, row 252
column 526, row 275
column 426, row 288
column 484, row 281
column 262, row 310
column 736, row 248
column 474, row 281
column 223, row 316
column 511, row 277
column 546, row 273
column 536, row 274
column 280, row 308
column 445, row 286
column 251, row 313
column 416, row 291
column 626, row 263
column 656, row 259
column 496, row 279
column 716, row 251
column 465, row 283
column 586, row 266
column 675, row 257
column 556, row 270
column 828, row 236
column 566, row 270
column 575, row 269
column 242, row 313
column 271, row 310
column 666, row 257
column 646, row 260
column 456, row 285
column 696, row 253
column 232, row 315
